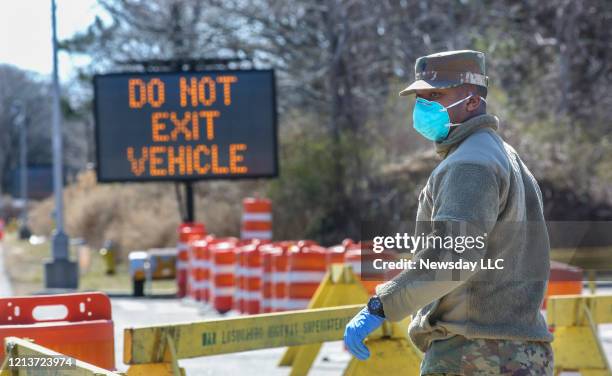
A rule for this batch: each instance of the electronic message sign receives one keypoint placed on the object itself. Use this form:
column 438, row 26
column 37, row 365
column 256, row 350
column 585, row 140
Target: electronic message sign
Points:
column 185, row 125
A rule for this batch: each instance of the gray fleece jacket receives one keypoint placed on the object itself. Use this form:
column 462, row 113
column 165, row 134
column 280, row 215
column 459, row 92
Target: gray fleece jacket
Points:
column 481, row 188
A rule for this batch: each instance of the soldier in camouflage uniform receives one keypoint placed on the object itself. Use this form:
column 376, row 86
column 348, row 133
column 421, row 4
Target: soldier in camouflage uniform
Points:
column 487, row 322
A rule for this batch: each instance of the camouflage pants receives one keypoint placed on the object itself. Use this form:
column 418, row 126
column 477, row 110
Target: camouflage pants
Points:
column 480, row 357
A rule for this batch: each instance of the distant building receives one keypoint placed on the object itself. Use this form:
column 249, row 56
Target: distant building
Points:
column 40, row 182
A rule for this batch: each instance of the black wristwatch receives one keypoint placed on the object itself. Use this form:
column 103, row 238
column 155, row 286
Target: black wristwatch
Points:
column 375, row 306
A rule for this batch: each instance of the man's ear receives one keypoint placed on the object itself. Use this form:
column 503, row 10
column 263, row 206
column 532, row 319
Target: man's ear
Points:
column 473, row 103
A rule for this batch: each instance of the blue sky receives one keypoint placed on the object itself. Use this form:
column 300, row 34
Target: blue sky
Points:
column 25, row 27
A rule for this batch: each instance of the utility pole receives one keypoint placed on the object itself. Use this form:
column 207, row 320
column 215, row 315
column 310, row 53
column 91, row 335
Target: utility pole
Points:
column 60, row 272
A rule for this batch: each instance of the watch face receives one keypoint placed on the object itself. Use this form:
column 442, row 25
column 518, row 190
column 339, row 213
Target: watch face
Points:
column 374, row 305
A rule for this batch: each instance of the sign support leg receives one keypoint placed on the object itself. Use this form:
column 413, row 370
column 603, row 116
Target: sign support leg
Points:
column 189, row 202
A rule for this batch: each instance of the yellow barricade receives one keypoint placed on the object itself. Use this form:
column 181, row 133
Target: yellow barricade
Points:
column 574, row 320
column 339, row 287
column 20, row 350
column 155, row 350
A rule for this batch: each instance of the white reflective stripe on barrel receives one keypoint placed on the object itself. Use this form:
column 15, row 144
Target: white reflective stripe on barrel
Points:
column 182, row 264
column 251, row 272
column 199, row 285
column 222, row 291
column 256, row 234
column 251, row 295
column 202, row 264
column 266, row 277
column 266, row 303
column 257, row 217
column 279, row 277
column 291, row 304
column 223, row 269
column 305, row 277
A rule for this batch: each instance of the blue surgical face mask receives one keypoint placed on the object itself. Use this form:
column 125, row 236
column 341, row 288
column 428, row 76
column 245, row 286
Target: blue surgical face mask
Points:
column 431, row 119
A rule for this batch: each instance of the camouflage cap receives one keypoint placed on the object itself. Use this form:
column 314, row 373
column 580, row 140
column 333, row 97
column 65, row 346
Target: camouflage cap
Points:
column 448, row 69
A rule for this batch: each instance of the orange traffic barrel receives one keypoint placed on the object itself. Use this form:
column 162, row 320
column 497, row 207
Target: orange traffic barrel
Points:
column 279, row 276
column 187, row 232
column 256, row 218
column 237, row 302
column 201, row 268
column 267, row 251
column 240, row 273
column 335, row 254
column 305, row 270
column 192, row 268
column 207, row 264
column 564, row 280
column 223, row 258
column 78, row 325
column 252, row 278
column 239, row 278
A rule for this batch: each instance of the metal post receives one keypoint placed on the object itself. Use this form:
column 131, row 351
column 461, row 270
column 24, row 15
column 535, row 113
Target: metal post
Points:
column 23, row 172
column 60, row 272
column 24, row 231
column 190, row 217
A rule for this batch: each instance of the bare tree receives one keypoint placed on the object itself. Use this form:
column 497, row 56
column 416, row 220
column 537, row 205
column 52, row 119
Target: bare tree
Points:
column 32, row 92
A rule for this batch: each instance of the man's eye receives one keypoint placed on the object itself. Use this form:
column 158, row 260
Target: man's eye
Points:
column 434, row 95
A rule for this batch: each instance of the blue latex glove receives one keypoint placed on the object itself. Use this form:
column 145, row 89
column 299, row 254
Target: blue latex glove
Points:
column 358, row 329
